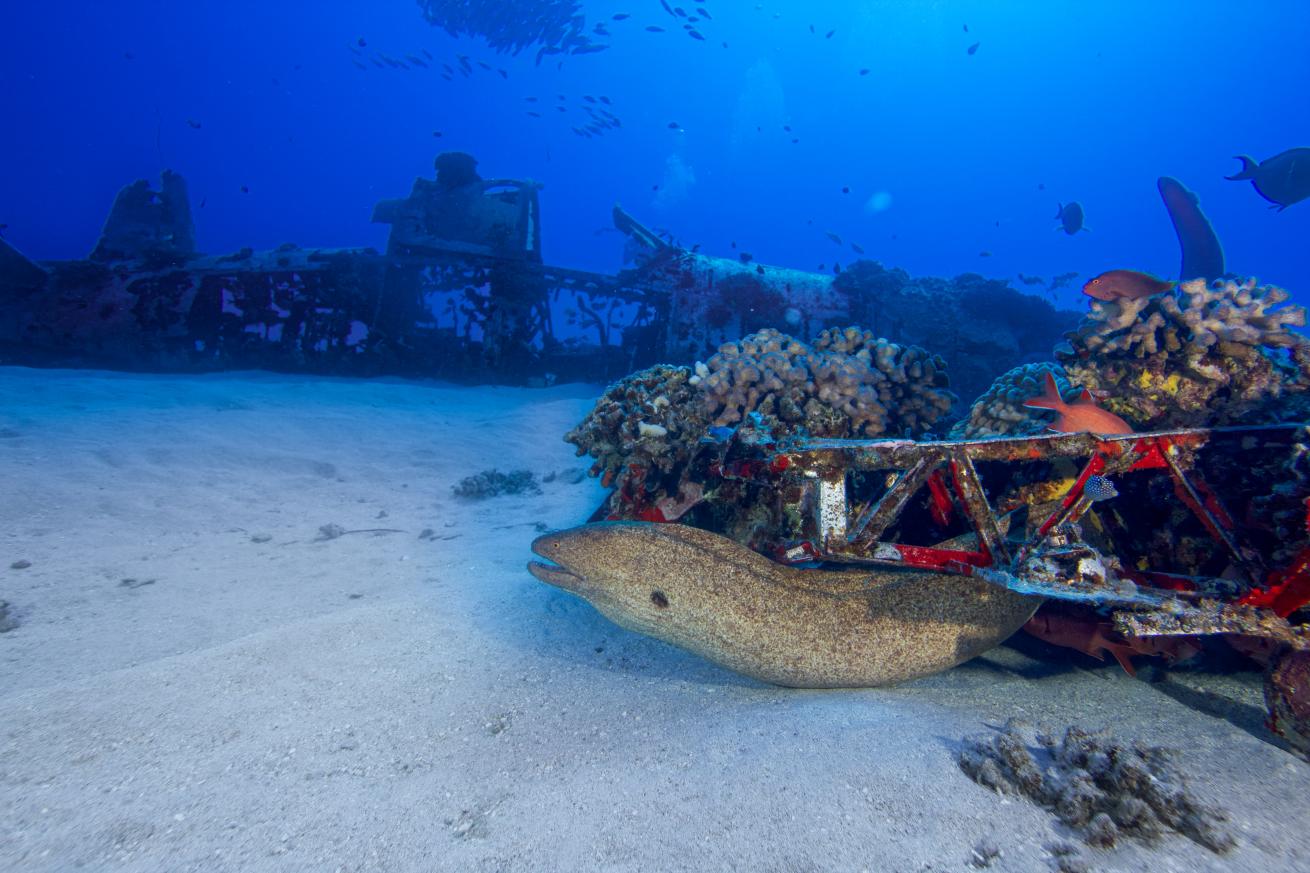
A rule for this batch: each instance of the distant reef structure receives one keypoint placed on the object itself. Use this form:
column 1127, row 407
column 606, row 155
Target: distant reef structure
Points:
column 980, row 327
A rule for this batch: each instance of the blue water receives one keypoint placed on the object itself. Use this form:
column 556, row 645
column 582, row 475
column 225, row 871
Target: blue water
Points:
column 946, row 155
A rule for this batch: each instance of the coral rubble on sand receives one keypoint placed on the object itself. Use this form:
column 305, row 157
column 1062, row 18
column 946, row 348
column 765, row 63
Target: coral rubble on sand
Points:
column 1102, row 788
column 492, row 483
column 1200, row 356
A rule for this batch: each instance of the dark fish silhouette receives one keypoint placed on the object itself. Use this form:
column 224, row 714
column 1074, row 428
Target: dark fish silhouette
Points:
column 1203, row 257
column 1283, row 180
column 193, row 124
column 859, row 250
column 703, row 13
column 653, row 28
column 1126, row 285
column 1062, row 280
column 673, row 125
column 973, row 49
column 1070, row 217
column 832, row 236
column 864, row 71
column 695, row 34
column 619, row 16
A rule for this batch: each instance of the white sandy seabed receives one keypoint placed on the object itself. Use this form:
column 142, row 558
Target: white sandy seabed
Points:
column 198, row 682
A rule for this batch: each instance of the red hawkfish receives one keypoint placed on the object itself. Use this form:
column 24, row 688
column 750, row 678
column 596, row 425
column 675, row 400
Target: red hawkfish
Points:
column 1081, row 416
column 1126, row 285
column 1087, row 634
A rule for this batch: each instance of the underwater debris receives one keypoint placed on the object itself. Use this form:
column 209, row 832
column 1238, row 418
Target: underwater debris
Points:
column 493, row 483
column 154, row 226
column 984, row 853
column 8, row 621
column 1200, row 356
column 334, row 531
column 1100, row 787
column 1287, row 696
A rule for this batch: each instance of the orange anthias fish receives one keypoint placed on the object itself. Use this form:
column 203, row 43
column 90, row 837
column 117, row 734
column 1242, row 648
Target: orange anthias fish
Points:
column 1081, row 416
column 1126, row 285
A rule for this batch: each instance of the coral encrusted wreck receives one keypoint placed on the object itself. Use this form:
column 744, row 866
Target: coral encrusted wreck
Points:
column 1200, row 356
column 849, row 383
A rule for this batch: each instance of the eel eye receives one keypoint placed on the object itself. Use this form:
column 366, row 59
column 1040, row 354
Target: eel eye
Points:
column 658, row 598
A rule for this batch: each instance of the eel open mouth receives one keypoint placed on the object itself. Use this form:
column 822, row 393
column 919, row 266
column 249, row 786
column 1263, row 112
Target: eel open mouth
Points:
column 547, row 570
column 553, row 574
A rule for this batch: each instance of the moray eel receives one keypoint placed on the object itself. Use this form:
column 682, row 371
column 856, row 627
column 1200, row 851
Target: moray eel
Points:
column 1203, row 257
column 799, row 628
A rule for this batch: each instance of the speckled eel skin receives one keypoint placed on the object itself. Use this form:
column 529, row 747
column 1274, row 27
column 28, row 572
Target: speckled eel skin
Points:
column 800, row 628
